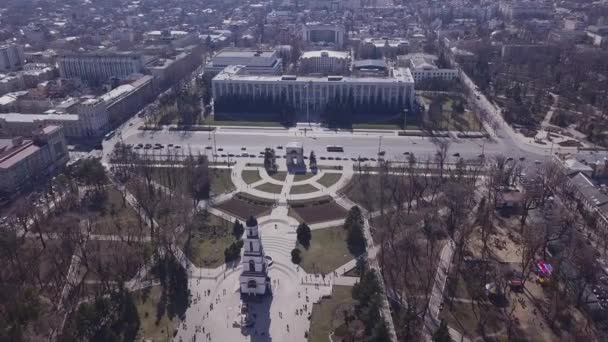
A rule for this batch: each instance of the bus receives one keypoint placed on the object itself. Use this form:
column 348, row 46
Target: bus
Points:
column 109, row 135
column 335, row 148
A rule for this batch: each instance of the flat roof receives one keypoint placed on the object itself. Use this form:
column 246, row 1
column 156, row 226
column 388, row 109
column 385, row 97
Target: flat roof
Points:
column 244, row 53
column 19, row 117
column 10, row 155
column 403, row 75
column 330, row 53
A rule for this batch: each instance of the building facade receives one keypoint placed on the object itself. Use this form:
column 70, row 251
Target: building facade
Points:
column 11, row 57
column 313, row 93
column 254, row 277
column 323, row 34
column 100, row 68
column 423, row 67
column 325, row 62
column 23, row 160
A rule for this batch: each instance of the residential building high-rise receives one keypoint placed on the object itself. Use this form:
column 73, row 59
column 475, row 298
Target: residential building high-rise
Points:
column 11, row 57
column 99, row 68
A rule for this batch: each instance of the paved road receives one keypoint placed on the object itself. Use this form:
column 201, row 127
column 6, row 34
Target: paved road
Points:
column 232, row 140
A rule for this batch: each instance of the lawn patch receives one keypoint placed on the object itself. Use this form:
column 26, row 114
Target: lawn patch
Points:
column 150, row 328
column 328, row 315
column 210, row 236
column 270, row 188
column 328, row 251
column 302, row 189
column 279, row 175
column 251, row 176
column 115, row 260
column 329, row 178
column 111, row 214
column 221, row 181
column 303, row 176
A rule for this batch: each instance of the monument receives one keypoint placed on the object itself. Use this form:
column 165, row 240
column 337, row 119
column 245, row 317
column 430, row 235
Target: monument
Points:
column 254, row 277
column 294, row 155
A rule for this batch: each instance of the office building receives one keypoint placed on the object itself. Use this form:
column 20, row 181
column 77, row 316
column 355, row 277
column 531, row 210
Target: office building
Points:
column 256, row 62
column 24, row 160
column 323, row 34
column 306, row 93
column 325, row 62
column 423, row 67
column 373, row 48
column 11, row 57
column 99, row 68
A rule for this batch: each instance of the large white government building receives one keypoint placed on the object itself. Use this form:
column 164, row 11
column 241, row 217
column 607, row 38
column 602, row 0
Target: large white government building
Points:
column 313, row 93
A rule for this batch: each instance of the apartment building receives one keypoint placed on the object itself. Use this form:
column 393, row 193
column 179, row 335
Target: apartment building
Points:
column 99, row 68
column 11, row 57
column 24, row 160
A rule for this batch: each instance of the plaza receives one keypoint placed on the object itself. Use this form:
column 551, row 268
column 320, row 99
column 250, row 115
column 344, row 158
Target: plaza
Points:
column 283, row 313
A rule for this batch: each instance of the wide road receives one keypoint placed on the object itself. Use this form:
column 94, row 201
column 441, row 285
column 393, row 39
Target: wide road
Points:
column 358, row 144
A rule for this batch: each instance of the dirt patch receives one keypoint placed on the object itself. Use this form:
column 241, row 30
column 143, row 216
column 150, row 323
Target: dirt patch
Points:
column 244, row 205
column 317, row 211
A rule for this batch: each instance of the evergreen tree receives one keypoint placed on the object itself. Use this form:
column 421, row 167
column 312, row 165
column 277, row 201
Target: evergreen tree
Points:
column 304, row 235
column 442, row 334
column 238, row 229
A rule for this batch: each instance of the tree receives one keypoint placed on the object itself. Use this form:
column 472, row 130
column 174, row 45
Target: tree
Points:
column 304, row 235
column 354, row 226
column 233, row 252
column 238, row 229
column 442, row 334
column 296, row 256
column 313, row 160
column 90, row 172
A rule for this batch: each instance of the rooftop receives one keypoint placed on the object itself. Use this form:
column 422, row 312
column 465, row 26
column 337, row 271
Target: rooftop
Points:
column 326, row 53
column 31, row 118
column 234, row 72
column 14, row 150
column 244, row 53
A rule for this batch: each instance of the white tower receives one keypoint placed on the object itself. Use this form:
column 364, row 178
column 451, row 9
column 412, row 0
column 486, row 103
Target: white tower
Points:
column 254, row 278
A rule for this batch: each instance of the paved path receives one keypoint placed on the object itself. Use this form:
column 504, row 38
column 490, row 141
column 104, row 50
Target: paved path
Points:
column 431, row 319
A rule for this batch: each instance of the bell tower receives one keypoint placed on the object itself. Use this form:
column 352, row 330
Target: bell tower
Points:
column 254, row 277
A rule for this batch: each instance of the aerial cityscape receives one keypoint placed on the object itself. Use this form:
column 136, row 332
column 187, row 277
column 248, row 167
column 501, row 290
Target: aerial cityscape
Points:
column 289, row 170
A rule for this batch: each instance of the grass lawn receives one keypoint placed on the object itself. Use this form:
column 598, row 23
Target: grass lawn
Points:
column 302, row 176
column 172, row 178
column 146, row 302
column 302, row 189
column 251, row 176
column 327, row 315
column 327, row 251
column 116, row 216
column 328, row 179
column 221, row 181
column 209, row 240
column 270, row 187
column 280, row 176
column 365, row 190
